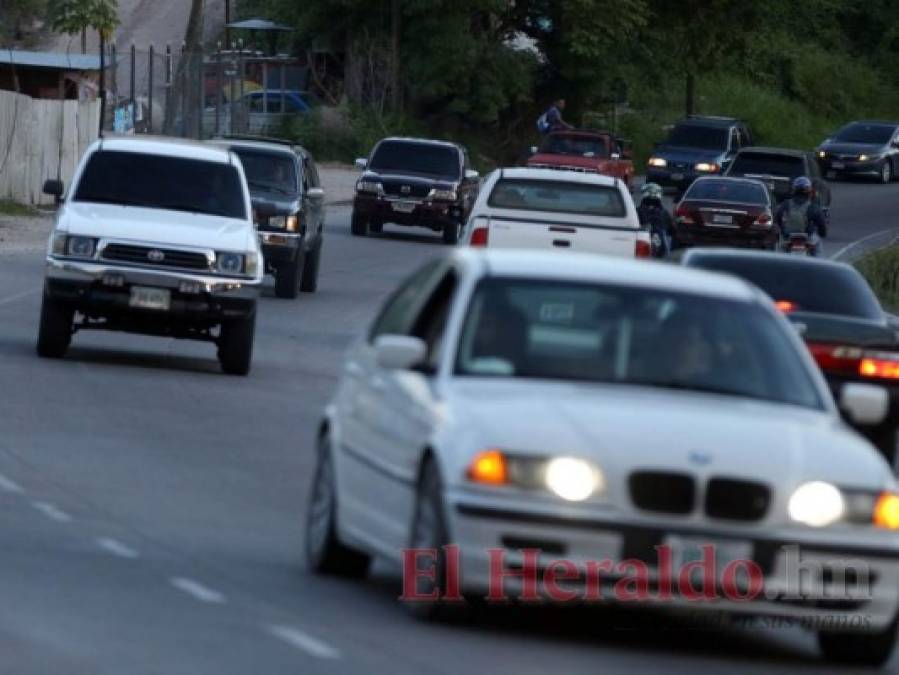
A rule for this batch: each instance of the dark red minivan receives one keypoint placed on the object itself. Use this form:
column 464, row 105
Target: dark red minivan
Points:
column 721, row 211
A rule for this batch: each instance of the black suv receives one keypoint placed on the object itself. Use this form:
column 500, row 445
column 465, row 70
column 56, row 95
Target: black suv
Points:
column 288, row 209
column 696, row 146
column 412, row 181
column 778, row 168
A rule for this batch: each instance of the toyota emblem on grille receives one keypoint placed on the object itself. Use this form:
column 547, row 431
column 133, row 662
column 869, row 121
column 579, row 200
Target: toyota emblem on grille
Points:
column 406, row 189
column 156, row 256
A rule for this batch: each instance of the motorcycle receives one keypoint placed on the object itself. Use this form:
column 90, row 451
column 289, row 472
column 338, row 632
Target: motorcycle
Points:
column 798, row 243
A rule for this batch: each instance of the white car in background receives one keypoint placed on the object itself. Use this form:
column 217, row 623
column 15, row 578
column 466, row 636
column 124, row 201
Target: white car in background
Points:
column 549, row 209
column 597, row 410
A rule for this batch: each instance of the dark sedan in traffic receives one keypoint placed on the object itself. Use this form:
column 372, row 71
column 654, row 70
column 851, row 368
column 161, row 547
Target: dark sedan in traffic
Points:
column 862, row 149
column 725, row 212
column 838, row 315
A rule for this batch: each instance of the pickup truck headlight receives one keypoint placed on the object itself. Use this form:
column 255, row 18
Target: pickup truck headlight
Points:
column 81, row 247
column 251, row 264
column 447, row 195
column 371, row 186
column 230, row 263
column 657, row 162
column 707, row 167
column 289, row 223
column 58, row 243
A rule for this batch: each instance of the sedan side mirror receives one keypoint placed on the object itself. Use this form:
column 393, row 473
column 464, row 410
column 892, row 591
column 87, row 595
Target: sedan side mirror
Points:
column 361, row 163
column 54, row 188
column 865, row 404
column 399, row 352
column 471, row 175
column 315, row 193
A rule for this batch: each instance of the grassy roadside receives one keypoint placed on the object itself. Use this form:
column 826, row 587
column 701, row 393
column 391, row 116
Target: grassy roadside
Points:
column 881, row 269
column 10, row 208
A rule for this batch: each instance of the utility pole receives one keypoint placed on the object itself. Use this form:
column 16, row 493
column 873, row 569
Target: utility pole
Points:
column 395, row 93
column 227, row 21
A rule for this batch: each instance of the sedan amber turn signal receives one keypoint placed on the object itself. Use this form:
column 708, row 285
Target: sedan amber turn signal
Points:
column 886, row 511
column 488, row 467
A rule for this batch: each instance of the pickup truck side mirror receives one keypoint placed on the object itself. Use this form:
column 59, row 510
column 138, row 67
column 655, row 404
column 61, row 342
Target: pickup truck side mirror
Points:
column 54, row 188
column 866, row 404
column 361, row 163
column 616, row 155
column 471, row 174
column 315, row 193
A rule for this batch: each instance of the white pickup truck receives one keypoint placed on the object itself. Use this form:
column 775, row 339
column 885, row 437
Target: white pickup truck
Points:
column 155, row 237
column 555, row 209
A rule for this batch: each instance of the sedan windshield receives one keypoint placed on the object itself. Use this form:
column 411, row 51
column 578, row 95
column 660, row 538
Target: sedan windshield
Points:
column 696, row 136
column 579, row 146
column 424, row 158
column 874, row 134
column 162, row 182
column 268, row 171
column 633, row 336
column 724, row 190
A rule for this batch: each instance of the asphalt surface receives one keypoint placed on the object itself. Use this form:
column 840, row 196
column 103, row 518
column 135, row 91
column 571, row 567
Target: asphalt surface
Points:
column 151, row 508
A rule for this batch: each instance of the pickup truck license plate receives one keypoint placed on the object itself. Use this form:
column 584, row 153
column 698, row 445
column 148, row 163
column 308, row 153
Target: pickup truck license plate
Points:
column 685, row 550
column 722, row 219
column 145, row 297
column 838, row 165
column 404, row 207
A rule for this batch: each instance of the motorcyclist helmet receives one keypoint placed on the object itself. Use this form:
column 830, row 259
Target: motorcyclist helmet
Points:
column 802, row 186
column 651, row 191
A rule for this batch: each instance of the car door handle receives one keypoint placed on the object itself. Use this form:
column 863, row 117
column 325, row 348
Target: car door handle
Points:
column 561, row 243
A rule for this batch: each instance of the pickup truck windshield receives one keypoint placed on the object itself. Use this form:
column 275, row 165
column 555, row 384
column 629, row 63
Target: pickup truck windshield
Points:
column 268, row 171
column 160, row 182
column 544, row 329
column 405, row 157
column 580, row 146
column 696, row 136
column 767, row 164
column 557, row 197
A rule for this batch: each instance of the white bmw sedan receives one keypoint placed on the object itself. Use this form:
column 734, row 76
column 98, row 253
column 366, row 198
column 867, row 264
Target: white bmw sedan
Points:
column 517, row 426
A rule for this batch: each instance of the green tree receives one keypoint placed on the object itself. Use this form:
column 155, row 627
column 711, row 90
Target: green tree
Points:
column 14, row 14
column 77, row 16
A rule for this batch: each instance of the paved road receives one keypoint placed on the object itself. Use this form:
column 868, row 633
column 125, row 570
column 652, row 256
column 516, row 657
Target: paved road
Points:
column 151, row 508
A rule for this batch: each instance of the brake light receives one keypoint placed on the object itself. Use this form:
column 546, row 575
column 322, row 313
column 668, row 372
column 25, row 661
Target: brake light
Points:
column 786, row 306
column 479, row 236
column 763, row 221
column 844, row 359
column 683, row 215
column 880, row 364
column 642, row 249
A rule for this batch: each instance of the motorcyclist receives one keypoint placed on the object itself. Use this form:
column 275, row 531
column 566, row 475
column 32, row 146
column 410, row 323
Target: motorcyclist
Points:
column 652, row 215
column 800, row 213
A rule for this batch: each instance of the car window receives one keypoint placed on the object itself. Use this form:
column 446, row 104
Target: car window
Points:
column 627, row 335
column 578, row 146
column 424, row 158
column 811, row 287
column 162, row 182
column 430, row 325
column 724, row 190
column 698, row 136
column 311, row 172
column 768, row 164
column 813, row 169
column 268, row 171
column 402, row 308
column 255, row 103
column 557, row 197
column 875, row 134
column 734, row 139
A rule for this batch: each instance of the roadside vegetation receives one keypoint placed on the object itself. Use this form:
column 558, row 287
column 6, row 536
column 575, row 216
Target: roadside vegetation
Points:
column 881, row 269
column 10, row 208
column 481, row 71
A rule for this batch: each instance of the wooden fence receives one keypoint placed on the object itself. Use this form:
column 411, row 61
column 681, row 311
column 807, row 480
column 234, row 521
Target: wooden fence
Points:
column 41, row 139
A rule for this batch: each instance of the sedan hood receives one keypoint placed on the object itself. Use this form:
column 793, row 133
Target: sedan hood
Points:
column 624, row 428
column 157, row 226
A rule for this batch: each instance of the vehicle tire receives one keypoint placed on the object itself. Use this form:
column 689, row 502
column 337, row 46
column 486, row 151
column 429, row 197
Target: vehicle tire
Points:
column 885, row 175
column 451, row 233
column 860, row 649
column 236, row 345
column 55, row 331
column 287, row 277
column 309, row 281
column 325, row 554
column 429, row 531
column 358, row 225
column 376, row 227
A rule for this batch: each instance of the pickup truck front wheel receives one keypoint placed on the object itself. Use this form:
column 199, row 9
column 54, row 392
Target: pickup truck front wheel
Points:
column 236, row 345
column 287, row 278
column 55, row 332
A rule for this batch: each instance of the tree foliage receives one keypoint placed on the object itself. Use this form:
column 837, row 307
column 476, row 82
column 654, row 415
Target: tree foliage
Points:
column 76, row 16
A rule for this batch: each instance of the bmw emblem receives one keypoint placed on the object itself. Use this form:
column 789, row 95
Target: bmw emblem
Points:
column 156, row 256
column 700, row 458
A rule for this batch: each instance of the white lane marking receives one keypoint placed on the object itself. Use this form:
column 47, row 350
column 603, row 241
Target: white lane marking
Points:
column 197, row 590
column 18, row 296
column 52, row 512
column 10, row 485
column 304, row 641
column 117, row 548
column 853, row 244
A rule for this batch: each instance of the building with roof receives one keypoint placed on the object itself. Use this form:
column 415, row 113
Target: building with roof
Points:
column 53, row 75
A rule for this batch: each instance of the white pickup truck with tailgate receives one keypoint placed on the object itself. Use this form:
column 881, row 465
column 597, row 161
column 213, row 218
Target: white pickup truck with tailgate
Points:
column 548, row 209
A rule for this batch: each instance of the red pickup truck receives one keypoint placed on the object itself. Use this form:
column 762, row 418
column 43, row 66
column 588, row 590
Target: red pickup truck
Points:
column 584, row 150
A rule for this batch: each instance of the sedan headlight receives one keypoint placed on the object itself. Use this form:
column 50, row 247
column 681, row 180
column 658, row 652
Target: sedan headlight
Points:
column 707, row 167
column 369, row 186
column 446, row 195
column 230, row 263
column 658, row 162
column 864, row 158
column 817, row 504
column 822, row 154
column 289, row 223
column 81, row 247
column 570, row 478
